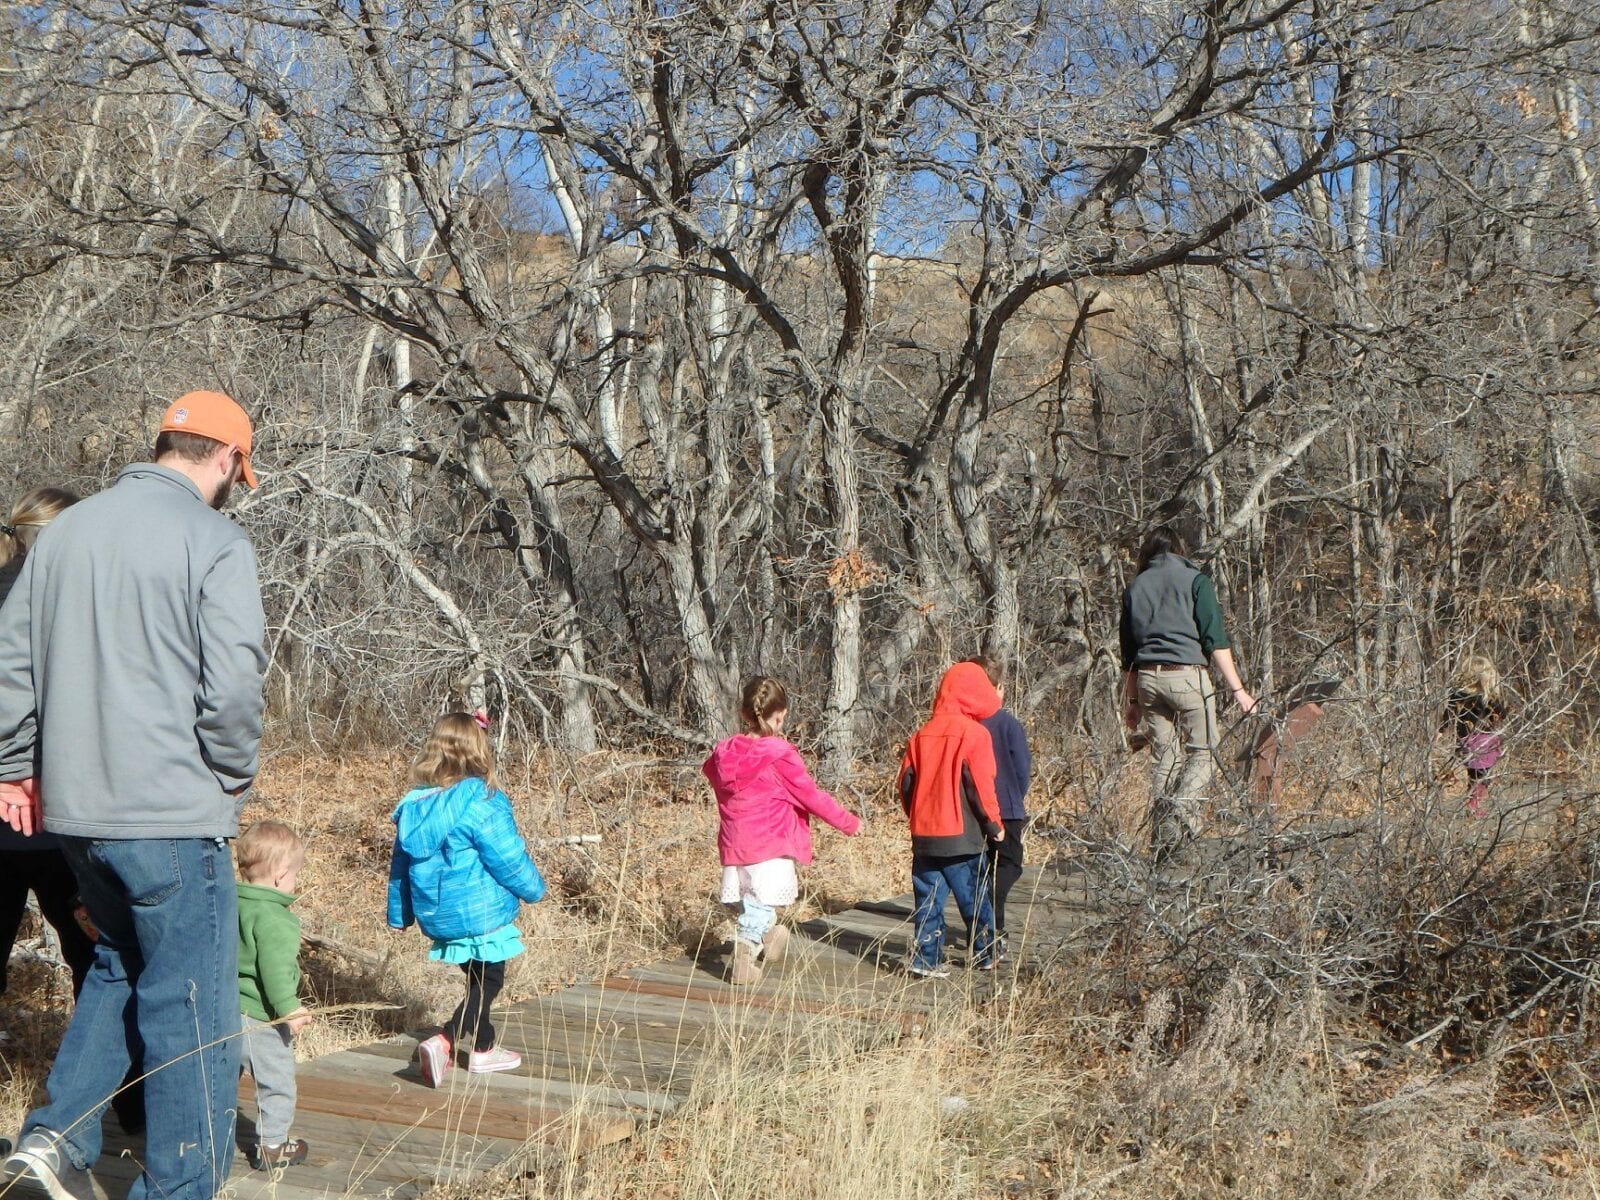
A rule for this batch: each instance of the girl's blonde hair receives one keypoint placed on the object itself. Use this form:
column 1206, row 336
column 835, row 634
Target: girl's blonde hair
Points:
column 28, row 516
column 1478, row 677
column 265, row 847
column 763, row 699
column 457, row 749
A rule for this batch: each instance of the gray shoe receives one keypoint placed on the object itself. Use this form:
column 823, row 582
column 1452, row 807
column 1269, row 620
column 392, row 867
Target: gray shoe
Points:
column 38, row 1167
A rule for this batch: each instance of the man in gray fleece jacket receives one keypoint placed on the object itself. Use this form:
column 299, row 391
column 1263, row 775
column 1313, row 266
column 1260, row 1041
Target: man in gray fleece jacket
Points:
column 131, row 667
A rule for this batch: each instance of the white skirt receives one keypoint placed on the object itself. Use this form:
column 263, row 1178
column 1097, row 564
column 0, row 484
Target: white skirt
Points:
column 771, row 883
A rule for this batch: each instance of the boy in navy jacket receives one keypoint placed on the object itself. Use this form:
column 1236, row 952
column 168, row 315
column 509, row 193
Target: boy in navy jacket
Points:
column 1013, row 770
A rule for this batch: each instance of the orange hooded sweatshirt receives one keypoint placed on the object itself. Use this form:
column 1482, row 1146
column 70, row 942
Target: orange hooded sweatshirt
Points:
column 947, row 775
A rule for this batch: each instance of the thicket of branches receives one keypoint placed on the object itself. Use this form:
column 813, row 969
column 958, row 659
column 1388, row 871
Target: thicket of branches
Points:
column 604, row 353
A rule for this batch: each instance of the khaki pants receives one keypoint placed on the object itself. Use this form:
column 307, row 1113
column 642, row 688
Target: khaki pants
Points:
column 1179, row 714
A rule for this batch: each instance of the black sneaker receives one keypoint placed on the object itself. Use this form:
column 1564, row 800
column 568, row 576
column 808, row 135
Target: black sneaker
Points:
column 37, row 1167
column 286, row 1154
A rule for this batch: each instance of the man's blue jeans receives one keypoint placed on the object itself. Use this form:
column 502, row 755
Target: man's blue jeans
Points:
column 165, row 978
column 933, row 880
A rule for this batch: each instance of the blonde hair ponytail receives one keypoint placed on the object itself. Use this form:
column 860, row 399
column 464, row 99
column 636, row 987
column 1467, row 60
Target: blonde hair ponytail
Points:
column 1478, row 677
column 28, row 516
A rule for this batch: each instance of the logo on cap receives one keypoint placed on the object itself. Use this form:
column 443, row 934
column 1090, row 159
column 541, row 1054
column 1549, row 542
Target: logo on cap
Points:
column 181, row 417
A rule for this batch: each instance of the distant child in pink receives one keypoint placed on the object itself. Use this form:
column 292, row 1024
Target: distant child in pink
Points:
column 1475, row 713
column 766, row 800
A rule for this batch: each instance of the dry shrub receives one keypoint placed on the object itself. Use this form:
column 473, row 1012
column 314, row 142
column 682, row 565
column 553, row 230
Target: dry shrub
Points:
column 1277, row 1101
column 1370, row 883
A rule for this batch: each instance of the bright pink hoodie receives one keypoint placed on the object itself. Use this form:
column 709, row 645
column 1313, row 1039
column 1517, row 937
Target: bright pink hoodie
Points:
column 766, row 799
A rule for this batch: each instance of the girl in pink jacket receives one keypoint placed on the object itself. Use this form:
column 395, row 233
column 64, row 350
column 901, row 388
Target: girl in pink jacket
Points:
column 765, row 798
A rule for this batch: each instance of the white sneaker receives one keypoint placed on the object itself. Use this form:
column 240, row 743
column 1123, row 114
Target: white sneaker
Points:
column 38, row 1167
column 497, row 1058
column 939, row 972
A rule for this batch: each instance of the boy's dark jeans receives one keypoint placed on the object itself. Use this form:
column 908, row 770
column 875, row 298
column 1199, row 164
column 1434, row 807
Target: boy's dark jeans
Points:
column 933, row 880
column 1005, row 868
column 470, row 1024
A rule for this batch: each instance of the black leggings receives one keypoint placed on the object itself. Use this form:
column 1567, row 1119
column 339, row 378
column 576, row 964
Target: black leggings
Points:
column 471, row 1018
column 46, row 874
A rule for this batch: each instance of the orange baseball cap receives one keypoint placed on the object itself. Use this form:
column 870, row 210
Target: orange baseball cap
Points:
column 215, row 416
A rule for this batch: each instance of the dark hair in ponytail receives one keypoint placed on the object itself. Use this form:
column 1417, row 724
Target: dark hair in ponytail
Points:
column 763, row 699
column 1163, row 539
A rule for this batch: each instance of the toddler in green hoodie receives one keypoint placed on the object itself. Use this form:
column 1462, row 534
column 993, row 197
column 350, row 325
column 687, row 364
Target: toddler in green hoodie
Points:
column 270, row 857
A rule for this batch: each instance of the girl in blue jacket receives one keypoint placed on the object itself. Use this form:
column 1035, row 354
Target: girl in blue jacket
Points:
column 460, row 871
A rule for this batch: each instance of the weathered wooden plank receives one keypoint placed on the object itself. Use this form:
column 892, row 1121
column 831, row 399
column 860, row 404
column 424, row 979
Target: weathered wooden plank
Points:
column 457, row 1110
column 347, row 1157
column 350, row 1155
column 745, row 998
column 812, row 970
column 600, row 1068
column 522, row 1085
column 639, row 1046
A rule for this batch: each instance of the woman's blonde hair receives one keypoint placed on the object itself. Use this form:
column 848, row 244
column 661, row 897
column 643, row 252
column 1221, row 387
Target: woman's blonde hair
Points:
column 763, row 699
column 457, row 749
column 1478, row 677
column 28, row 516
column 265, row 847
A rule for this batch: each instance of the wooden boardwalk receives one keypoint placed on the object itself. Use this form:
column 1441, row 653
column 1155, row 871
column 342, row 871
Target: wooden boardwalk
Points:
column 601, row 1058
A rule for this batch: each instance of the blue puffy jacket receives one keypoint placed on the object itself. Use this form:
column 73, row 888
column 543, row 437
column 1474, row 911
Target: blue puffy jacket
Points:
column 460, row 868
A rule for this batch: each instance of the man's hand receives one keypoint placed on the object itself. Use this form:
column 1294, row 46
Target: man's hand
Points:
column 19, row 806
column 297, row 1020
column 1245, row 701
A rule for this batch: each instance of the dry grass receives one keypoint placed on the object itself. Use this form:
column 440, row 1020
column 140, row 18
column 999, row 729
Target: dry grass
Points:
column 1020, row 1098
column 1062, row 1087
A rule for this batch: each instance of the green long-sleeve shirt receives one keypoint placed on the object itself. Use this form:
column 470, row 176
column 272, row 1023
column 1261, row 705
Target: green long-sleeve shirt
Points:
column 269, row 953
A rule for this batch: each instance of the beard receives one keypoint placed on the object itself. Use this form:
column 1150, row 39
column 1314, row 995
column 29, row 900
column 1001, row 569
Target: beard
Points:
column 223, row 490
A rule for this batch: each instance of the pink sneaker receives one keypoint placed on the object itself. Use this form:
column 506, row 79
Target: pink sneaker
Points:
column 498, row 1058
column 433, row 1058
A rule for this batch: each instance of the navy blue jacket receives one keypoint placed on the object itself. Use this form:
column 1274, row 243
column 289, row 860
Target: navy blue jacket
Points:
column 1013, row 764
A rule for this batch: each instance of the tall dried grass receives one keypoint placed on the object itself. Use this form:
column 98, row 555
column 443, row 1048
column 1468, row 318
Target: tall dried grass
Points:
column 1062, row 1085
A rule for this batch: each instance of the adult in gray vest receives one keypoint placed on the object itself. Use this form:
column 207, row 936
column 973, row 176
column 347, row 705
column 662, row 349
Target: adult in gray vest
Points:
column 1171, row 630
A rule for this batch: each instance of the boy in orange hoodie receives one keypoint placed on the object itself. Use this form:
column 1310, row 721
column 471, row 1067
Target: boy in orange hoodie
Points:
column 947, row 789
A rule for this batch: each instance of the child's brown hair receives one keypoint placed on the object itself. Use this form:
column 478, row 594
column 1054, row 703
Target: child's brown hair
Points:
column 266, row 847
column 763, row 699
column 457, row 749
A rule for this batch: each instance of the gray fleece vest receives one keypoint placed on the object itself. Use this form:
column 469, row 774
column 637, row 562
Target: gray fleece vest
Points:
column 1161, row 612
